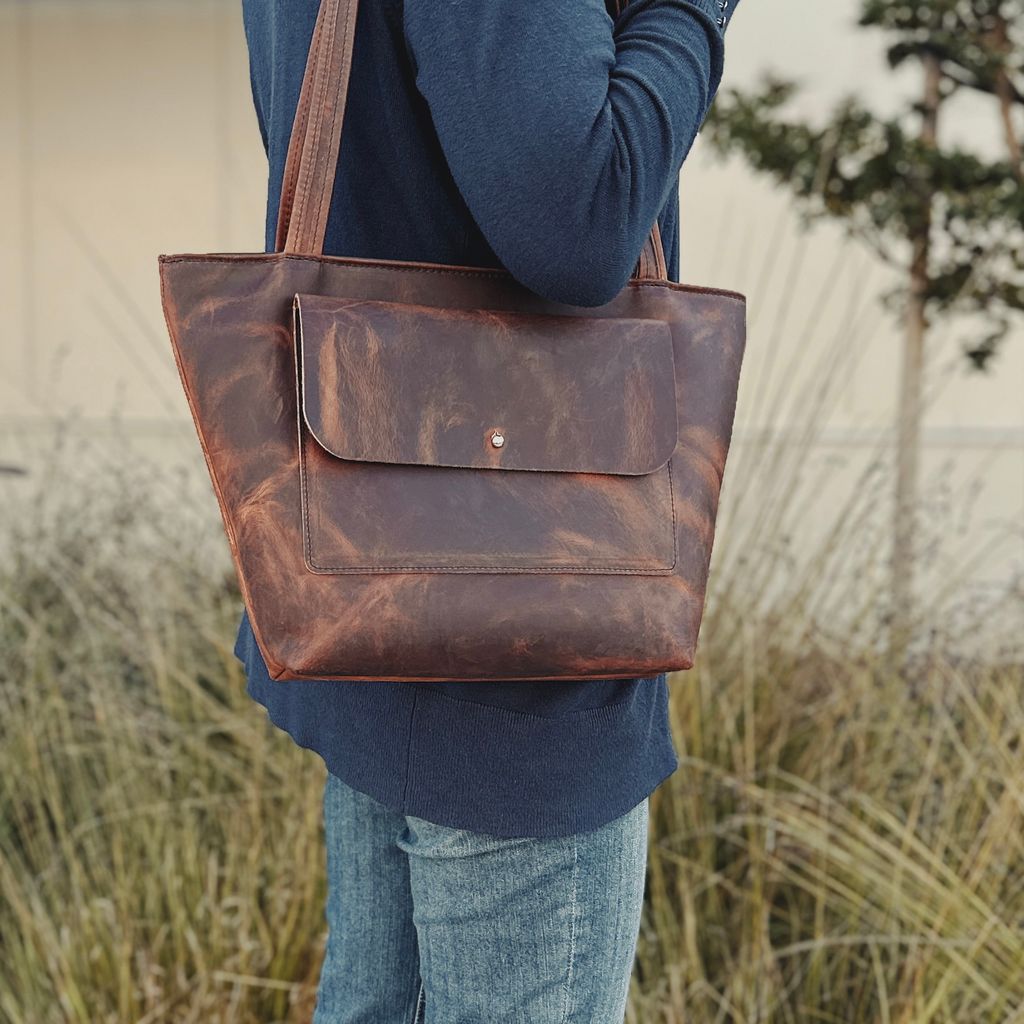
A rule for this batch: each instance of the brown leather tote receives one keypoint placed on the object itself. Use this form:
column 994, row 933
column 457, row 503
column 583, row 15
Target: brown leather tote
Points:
column 429, row 472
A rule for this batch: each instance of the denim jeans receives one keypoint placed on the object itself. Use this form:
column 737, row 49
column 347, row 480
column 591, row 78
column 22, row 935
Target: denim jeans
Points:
column 435, row 925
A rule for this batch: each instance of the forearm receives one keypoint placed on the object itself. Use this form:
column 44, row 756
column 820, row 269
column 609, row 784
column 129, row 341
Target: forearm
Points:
column 565, row 132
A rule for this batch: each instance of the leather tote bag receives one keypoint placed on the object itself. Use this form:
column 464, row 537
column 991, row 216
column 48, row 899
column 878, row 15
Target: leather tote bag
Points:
column 429, row 472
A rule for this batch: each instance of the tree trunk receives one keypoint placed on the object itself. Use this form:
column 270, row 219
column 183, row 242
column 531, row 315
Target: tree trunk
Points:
column 1004, row 93
column 909, row 413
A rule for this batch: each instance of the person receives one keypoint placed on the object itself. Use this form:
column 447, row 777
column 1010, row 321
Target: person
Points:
column 486, row 841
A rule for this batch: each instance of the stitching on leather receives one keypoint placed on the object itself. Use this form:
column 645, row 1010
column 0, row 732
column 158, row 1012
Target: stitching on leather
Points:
column 329, row 43
column 318, row 40
column 342, row 88
column 300, row 341
column 321, row 83
column 504, row 569
column 480, row 273
column 303, row 173
column 307, row 533
column 672, row 504
column 339, row 116
column 306, row 169
column 287, row 199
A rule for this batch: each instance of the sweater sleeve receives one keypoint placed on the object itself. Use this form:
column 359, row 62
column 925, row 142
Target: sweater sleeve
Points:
column 563, row 129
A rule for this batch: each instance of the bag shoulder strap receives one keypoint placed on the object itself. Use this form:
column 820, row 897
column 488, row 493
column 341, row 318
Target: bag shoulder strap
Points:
column 312, row 159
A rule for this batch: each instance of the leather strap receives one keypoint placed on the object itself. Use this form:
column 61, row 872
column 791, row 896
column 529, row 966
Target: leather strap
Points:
column 652, row 265
column 312, row 160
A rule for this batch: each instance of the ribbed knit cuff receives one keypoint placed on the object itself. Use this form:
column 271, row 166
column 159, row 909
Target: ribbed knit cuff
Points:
column 714, row 16
column 717, row 11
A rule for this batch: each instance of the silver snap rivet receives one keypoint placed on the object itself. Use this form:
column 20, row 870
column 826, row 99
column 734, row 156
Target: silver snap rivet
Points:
column 497, row 438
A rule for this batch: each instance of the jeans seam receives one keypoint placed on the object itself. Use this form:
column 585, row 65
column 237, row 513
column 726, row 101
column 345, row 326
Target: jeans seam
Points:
column 416, row 1019
column 572, row 930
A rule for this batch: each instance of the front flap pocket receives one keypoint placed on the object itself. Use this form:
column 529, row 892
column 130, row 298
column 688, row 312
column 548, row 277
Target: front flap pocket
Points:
column 486, row 389
column 401, row 406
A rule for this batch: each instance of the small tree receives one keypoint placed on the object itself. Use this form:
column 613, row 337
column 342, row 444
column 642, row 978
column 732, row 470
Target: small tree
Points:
column 951, row 221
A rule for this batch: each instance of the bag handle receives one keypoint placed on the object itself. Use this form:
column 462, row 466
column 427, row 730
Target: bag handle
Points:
column 311, row 163
column 312, row 158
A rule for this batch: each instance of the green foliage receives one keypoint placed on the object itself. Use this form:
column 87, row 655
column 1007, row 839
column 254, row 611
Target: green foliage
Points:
column 888, row 183
column 966, row 35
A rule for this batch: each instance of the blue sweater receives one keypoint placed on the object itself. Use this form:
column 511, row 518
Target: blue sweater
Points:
column 544, row 137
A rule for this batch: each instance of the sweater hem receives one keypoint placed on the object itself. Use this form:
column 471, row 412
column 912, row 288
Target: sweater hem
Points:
column 473, row 766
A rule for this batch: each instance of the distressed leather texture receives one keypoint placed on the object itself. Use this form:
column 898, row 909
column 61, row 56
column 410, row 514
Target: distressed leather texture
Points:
column 402, row 383
column 346, row 410
column 425, row 390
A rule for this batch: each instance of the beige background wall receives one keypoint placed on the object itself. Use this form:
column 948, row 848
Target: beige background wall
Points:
column 128, row 131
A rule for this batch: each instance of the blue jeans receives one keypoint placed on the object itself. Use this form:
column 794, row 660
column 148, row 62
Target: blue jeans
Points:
column 435, row 925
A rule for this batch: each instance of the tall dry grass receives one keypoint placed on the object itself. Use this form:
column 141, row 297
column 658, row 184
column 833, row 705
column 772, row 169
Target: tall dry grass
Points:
column 160, row 856
column 843, row 841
